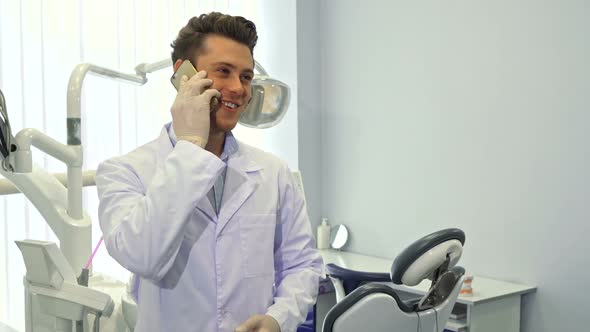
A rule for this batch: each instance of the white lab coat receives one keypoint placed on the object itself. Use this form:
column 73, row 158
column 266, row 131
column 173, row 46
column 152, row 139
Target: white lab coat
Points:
column 198, row 271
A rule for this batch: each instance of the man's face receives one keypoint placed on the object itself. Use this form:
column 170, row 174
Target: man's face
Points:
column 230, row 65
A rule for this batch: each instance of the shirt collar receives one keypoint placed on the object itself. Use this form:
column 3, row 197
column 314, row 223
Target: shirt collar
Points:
column 230, row 146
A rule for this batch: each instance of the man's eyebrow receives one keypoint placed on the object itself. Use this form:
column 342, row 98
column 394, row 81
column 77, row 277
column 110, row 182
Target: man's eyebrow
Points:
column 250, row 71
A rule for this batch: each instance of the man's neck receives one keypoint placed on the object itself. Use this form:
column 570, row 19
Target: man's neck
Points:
column 215, row 142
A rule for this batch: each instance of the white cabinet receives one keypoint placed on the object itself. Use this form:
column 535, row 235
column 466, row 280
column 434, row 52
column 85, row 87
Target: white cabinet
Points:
column 494, row 305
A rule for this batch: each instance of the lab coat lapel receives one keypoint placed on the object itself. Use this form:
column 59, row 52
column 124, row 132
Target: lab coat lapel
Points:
column 204, row 204
column 166, row 147
column 240, row 183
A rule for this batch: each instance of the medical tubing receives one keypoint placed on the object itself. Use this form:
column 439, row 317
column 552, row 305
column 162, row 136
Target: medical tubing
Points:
column 3, row 145
column 93, row 253
column 5, row 135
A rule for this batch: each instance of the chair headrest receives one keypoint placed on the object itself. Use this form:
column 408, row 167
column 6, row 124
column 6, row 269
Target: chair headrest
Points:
column 423, row 257
column 353, row 275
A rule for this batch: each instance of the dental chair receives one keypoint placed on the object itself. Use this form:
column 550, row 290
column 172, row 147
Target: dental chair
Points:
column 365, row 303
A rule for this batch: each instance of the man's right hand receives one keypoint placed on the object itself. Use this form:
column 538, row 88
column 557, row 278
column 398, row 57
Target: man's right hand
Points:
column 191, row 108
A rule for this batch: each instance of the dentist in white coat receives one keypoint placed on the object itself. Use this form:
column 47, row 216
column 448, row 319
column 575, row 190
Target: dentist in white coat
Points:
column 214, row 230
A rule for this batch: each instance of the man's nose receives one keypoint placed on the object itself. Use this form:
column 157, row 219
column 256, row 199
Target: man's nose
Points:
column 234, row 85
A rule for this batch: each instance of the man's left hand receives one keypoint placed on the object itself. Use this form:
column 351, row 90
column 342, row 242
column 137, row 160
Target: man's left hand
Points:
column 259, row 323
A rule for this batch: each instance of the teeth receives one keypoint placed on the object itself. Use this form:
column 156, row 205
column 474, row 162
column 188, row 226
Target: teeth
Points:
column 230, row 105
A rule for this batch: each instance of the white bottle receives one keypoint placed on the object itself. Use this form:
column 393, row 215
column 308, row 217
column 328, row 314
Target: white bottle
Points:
column 323, row 235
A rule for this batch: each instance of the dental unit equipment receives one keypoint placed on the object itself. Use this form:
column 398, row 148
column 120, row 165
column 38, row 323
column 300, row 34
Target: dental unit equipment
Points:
column 379, row 308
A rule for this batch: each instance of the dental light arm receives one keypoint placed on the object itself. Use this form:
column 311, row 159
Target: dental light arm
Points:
column 8, row 188
column 70, row 155
column 75, row 93
column 146, row 68
column 74, row 125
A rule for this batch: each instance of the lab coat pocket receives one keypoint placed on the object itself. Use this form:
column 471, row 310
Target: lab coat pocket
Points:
column 257, row 234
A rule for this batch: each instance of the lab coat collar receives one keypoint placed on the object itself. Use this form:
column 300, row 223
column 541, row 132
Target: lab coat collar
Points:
column 167, row 141
column 242, row 160
column 230, row 145
column 240, row 180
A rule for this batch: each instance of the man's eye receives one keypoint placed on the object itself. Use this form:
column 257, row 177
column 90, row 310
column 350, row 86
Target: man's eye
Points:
column 223, row 70
column 247, row 77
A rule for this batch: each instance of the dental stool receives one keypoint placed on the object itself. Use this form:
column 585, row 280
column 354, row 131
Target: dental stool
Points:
column 376, row 307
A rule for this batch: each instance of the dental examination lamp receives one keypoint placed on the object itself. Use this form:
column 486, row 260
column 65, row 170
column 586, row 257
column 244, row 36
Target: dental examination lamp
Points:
column 376, row 307
column 269, row 103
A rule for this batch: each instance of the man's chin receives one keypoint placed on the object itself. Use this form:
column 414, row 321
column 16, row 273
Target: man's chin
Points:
column 226, row 122
column 225, row 126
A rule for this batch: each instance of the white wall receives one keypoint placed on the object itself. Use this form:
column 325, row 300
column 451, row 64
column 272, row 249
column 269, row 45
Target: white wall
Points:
column 309, row 96
column 277, row 52
column 472, row 114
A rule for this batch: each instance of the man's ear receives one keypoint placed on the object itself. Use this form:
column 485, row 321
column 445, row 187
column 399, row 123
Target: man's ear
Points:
column 177, row 64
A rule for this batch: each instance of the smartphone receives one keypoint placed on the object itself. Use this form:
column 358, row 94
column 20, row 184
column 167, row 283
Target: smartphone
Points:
column 187, row 68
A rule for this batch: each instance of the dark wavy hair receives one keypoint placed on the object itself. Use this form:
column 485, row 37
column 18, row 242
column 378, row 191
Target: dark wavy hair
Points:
column 191, row 37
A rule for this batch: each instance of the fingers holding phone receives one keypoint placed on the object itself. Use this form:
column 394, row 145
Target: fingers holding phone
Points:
column 192, row 106
column 194, row 86
column 196, row 81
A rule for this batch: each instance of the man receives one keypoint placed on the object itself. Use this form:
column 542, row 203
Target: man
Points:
column 214, row 230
